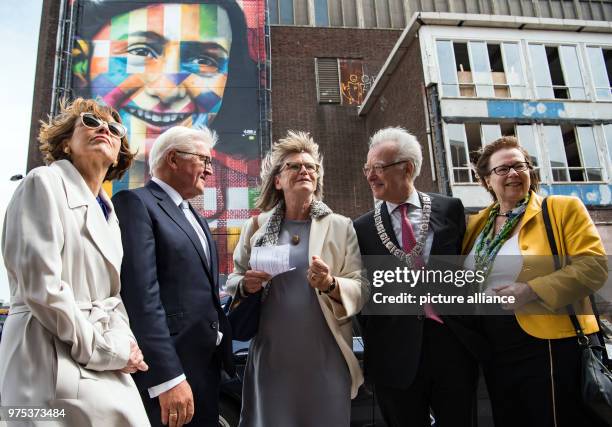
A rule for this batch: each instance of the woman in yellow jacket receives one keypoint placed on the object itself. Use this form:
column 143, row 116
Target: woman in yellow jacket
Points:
column 533, row 376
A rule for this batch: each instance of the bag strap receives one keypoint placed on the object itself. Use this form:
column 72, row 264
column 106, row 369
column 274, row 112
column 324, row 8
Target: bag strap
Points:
column 582, row 338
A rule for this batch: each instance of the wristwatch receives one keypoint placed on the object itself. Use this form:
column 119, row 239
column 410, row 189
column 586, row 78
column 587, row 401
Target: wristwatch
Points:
column 332, row 286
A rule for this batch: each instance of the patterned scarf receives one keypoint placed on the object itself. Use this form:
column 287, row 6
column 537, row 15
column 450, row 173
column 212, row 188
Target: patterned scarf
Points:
column 488, row 243
column 318, row 210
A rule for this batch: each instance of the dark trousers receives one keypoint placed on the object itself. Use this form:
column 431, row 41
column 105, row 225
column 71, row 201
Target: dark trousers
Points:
column 205, row 391
column 446, row 383
column 532, row 381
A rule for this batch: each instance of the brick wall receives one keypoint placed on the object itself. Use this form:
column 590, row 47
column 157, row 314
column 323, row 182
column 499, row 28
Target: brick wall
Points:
column 401, row 103
column 341, row 134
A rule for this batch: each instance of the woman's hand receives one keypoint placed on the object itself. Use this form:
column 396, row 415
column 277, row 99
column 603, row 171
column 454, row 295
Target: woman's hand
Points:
column 136, row 361
column 253, row 281
column 521, row 292
column 318, row 274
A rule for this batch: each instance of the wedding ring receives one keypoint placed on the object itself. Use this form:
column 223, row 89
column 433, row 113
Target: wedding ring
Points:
column 173, row 413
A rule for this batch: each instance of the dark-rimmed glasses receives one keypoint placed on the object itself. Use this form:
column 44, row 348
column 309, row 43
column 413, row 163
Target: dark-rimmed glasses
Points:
column 205, row 160
column 296, row 167
column 379, row 169
column 92, row 121
column 505, row 170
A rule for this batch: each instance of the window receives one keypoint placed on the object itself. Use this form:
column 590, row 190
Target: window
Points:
column 286, row 11
column 556, row 72
column 573, row 153
column 480, row 69
column 328, row 80
column 321, row 13
column 273, row 11
column 342, row 81
column 601, row 71
column 464, row 140
column 608, row 136
column 457, row 145
column 280, row 11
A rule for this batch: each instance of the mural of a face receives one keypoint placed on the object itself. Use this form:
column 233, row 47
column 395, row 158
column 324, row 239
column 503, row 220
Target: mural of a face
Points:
column 163, row 65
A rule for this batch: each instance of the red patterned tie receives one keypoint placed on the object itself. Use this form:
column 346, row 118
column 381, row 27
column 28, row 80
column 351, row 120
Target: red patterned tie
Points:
column 408, row 243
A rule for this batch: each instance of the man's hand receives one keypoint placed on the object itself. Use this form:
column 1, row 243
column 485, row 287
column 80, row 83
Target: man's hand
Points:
column 136, row 361
column 177, row 405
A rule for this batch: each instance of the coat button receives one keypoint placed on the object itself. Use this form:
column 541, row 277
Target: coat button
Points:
column 213, row 325
column 524, row 247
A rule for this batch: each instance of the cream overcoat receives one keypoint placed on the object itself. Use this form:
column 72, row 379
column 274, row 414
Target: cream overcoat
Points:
column 67, row 332
column 333, row 239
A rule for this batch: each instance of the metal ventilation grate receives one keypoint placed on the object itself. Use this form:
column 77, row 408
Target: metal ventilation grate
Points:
column 328, row 80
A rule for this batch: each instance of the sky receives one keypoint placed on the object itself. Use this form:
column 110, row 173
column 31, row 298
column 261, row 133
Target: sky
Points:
column 19, row 26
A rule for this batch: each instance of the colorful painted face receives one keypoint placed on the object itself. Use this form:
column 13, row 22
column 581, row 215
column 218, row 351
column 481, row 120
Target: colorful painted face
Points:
column 163, row 65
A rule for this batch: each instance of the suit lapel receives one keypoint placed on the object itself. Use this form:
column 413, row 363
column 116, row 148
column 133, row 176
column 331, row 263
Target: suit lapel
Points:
column 79, row 195
column 386, row 219
column 212, row 247
column 175, row 214
column 318, row 235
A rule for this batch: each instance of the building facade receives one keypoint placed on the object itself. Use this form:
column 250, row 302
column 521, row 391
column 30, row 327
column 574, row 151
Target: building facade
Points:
column 456, row 73
column 545, row 81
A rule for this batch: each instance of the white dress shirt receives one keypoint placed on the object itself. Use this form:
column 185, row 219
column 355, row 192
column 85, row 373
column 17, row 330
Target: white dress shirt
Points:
column 178, row 200
column 414, row 216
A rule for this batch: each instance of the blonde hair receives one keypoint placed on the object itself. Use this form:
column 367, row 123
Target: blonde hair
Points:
column 58, row 130
column 295, row 142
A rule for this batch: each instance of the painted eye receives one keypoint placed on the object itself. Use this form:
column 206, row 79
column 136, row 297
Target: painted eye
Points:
column 205, row 61
column 142, row 50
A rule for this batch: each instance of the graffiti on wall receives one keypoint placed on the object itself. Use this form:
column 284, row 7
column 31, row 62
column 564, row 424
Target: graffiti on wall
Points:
column 190, row 63
column 355, row 82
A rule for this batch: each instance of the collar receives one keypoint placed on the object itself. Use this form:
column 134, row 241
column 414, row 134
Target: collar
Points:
column 413, row 199
column 172, row 193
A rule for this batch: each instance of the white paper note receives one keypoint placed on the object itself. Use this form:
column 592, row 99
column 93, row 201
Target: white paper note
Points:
column 273, row 260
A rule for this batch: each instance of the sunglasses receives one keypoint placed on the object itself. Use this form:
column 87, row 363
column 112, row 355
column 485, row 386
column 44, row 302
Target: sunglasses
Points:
column 91, row 121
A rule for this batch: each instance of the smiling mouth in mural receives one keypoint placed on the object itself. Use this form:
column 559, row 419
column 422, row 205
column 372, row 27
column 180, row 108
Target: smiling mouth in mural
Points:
column 158, row 119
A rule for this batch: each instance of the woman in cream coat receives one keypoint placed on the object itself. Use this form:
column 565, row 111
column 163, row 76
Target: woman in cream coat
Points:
column 301, row 368
column 67, row 343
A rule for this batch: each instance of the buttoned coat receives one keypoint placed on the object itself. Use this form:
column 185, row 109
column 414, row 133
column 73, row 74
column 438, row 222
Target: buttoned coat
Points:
column 333, row 239
column 67, row 333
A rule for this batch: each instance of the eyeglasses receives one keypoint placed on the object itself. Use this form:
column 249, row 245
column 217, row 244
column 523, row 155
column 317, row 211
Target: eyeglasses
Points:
column 379, row 169
column 296, row 167
column 91, row 121
column 505, row 170
column 205, row 160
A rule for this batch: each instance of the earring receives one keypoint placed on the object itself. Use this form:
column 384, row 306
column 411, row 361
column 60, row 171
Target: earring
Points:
column 67, row 149
column 115, row 163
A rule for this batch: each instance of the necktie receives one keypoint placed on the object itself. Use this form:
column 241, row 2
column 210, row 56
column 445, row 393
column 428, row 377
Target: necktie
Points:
column 197, row 228
column 408, row 243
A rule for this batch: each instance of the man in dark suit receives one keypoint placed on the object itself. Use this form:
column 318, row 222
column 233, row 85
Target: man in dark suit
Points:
column 415, row 362
column 169, row 281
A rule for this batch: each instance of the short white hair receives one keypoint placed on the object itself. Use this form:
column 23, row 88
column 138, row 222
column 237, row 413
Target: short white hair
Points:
column 408, row 147
column 178, row 138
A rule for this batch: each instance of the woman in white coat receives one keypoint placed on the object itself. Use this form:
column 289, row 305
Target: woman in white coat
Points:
column 301, row 368
column 67, row 343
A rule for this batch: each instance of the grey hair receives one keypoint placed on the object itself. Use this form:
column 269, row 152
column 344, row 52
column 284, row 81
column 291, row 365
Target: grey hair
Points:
column 295, row 142
column 408, row 147
column 178, row 138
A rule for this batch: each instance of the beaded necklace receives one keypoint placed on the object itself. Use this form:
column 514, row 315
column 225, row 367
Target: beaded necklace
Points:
column 488, row 243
